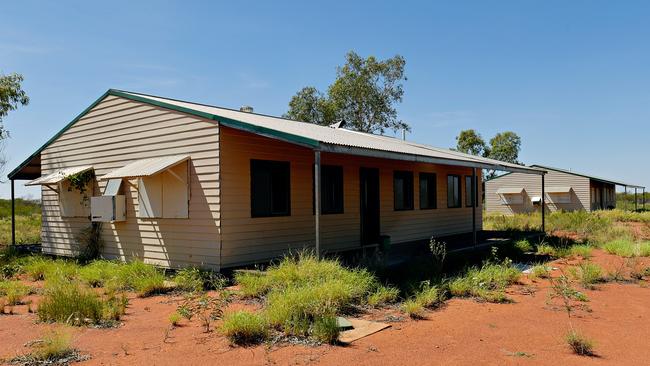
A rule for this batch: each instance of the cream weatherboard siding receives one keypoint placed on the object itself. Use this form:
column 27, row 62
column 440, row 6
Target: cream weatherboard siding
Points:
column 532, row 184
column 246, row 239
column 114, row 133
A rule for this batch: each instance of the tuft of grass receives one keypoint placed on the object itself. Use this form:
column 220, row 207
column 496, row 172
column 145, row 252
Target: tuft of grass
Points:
column 326, row 330
column 540, row 271
column 69, row 302
column 243, row 328
column 99, row 273
column 413, row 308
column 588, row 274
column 175, row 318
column 580, row 344
column 545, row 249
column 383, row 295
column 429, row 297
column 189, row 279
column 523, row 246
column 583, row 251
column 41, row 268
column 55, row 345
column 13, row 291
column 620, row 247
column 488, row 282
column 143, row 278
column 253, row 284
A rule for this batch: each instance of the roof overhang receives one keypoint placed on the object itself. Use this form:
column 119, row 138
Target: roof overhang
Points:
column 58, row 176
column 597, row 179
column 146, row 167
column 505, row 190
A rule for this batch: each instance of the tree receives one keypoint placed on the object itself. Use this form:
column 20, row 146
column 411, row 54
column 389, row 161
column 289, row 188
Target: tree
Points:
column 11, row 96
column 364, row 94
column 505, row 146
column 471, row 142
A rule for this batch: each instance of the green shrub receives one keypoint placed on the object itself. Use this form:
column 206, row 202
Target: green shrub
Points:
column 68, row 302
column 174, row 318
column 13, row 291
column 383, row 295
column 326, row 329
column 413, row 308
column 588, row 274
column 429, row 297
column 253, row 284
column 143, row 278
column 54, row 345
column 545, row 249
column 621, row 247
column 523, row 246
column 41, row 268
column 580, row 344
column 189, row 279
column 242, row 327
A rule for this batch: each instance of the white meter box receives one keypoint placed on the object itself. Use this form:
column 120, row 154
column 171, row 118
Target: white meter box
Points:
column 108, row 208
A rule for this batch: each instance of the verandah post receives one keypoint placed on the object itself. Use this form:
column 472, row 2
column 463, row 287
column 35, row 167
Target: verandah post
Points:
column 317, row 202
column 13, row 215
column 543, row 206
column 474, row 200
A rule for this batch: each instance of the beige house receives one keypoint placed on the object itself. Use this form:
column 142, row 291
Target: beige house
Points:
column 564, row 190
column 178, row 183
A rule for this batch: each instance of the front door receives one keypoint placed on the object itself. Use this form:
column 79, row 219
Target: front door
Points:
column 369, row 178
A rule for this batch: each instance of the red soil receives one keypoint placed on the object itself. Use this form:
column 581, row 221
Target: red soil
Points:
column 528, row 331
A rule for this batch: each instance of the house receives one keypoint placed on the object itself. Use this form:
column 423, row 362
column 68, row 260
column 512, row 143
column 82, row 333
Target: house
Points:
column 564, row 190
column 178, row 183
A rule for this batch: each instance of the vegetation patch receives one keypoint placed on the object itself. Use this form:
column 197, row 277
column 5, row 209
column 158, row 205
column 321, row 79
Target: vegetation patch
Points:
column 488, row 282
column 383, row 295
column 13, row 292
column 244, row 328
column 55, row 348
column 579, row 344
column 540, row 271
column 588, row 274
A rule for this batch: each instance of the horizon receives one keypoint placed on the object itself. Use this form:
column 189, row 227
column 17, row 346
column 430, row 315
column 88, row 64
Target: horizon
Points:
column 564, row 77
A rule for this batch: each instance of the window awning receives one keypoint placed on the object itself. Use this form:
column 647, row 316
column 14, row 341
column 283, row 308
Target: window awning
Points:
column 58, row 175
column 558, row 189
column 519, row 190
column 146, row 167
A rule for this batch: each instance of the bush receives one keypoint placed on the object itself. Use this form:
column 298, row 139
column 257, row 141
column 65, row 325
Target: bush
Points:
column 193, row 279
column 540, row 271
column 545, row 249
column 580, row 344
column 174, row 318
column 54, row 345
column 242, row 327
column 13, row 291
column 583, row 251
column 143, row 278
column 383, row 295
column 41, row 268
column 253, row 284
column 99, row 273
column 523, row 246
column 69, row 302
column 429, row 297
column 588, row 274
column 621, row 247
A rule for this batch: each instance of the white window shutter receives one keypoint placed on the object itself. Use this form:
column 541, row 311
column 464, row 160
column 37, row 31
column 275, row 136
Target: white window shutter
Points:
column 175, row 192
column 150, row 197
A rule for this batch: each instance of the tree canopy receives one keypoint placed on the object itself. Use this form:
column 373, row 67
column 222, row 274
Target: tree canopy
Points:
column 11, row 96
column 504, row 146
column 364, row 94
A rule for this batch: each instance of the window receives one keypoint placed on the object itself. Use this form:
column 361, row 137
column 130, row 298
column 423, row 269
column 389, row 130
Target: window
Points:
column 165, row 194
column 428, row 191
column 453, row 191
column 331, row 189
column 73, row 203
column 469, row 194
column 403, row 190
column 270, row 192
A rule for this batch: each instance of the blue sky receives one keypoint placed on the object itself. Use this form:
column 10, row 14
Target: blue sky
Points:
column 571, row 78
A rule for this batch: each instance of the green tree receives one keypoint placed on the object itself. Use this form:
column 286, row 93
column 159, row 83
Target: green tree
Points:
column 471, row 142
column 505, row 146
column 11, row 96
column 364, row 94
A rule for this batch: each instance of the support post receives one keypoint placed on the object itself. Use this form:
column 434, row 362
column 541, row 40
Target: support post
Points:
column 643, row 198
column 625, row 198
column 317, row 200
column 543, row 205
column 474, row 200
column 636, row 200
column 13, row 214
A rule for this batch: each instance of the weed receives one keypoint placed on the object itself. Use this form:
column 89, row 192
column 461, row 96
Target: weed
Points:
column 487, row 282
column 90, row 242
column 583, row 251
column 383, row 295
column 99, row 273
column 242, row 327
column 13, row 291
column 561, row 289
column 438, row 254
column 68, row 302
column 540, row 271
column 580, row 344
column 54, row 348
column 523, row 246
column 545, row 249
column 193, row 279
column 143, row 278
column 253, row 284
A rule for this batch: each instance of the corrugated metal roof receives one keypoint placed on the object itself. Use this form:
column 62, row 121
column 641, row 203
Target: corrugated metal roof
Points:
column 146, row 167
column 604, row 180
column 505, row 190
column 316, row 135
column 557, row 189
column 58, row 175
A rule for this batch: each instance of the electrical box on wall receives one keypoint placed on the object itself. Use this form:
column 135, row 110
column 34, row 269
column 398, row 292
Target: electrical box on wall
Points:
column 108, row 208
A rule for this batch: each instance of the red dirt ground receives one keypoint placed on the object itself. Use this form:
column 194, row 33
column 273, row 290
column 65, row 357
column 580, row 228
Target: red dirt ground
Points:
column 463, row 332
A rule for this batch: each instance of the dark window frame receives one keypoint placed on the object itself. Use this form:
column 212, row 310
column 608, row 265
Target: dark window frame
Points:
column 257, row 166
column 407, row 193
column 459, row 204
column 471, row 193
column 340, row 181
column 428, row 177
